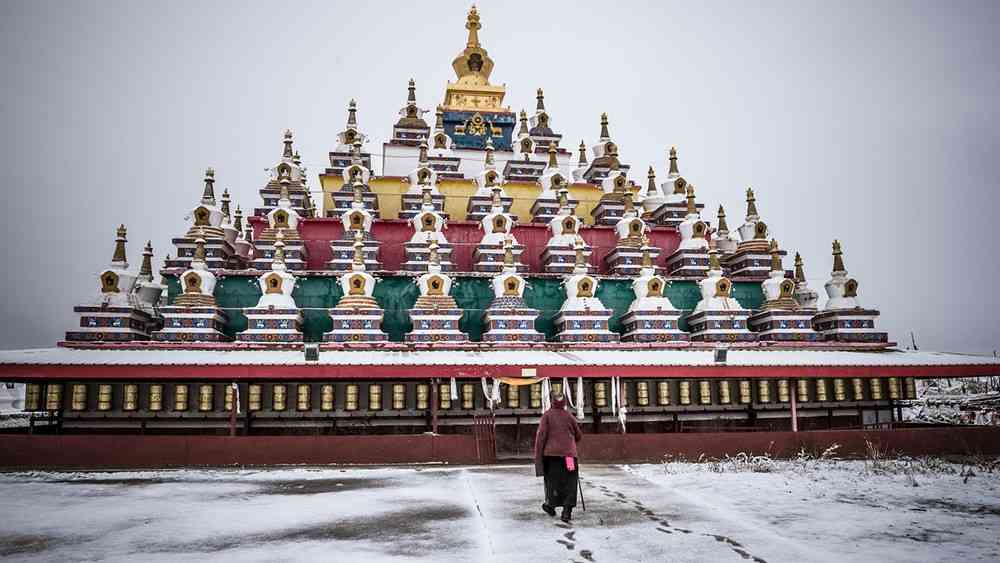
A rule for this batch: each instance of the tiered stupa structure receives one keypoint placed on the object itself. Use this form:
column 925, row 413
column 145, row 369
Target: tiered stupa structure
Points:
column 442, row 159
column 541, row 126
column 348, row 153
column 148, row 293
column 718, row 317
column 284, row 221
column 690, row 260
column 632, row 250
column 508, row 319
column 555, row 192
column 357, row 316
column 435, row 315
column 843, row 319
column 428, row 229
column 205, row 218
column 276, row 318
column 806, row 297
column 289, row 167
column 722, row 238
column 357, row 224
column 114, row 314
column 752, row 258
column 780, row 318
column 525, row 169
column 489, row 191
column 423, row 193
column 611, row 206
column 582, row 317
column 673, row 209
column 194, row 315
column 605, row 160
column 490, row 254
column 356, row 172
column 411, row 127
column 651, row 317
column 566, row 249
column 651, row 197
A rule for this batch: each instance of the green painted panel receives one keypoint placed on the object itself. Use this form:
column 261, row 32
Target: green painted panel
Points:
column 235, row 294
column 547, row 296
column 396, row 295
column 749, row 294
column 616, row 295
column 474, row 295
column 315, row 295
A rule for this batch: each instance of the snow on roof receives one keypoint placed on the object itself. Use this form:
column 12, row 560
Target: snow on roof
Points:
column 69, row 356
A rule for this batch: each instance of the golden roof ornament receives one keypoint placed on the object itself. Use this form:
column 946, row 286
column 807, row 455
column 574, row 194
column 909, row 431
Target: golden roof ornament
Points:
column 838, row 260
column 647, row 259
column 208, row 196
column 146, row 269
column 553, row 153
column 359, row 251
column 359, row 194
column 775, row 256
column 473, row 66
column 627, row 201
column 563, row 198
column 800, row 275
column 583, row 154
column 489, row 152
column 713, row 260
column 287, row 152
column 120, row 240
column 508, row 251
column 673, row 161
column 225, row 204
column 580, row 262
column 605, row 136
column 238, row 219
column 352, row 114
column 751, row 205
column 411, row 97
column 522, row 131
column 423, row 151
column 496, row 202
column 279, row 250
column 723, row 227
column 692, row 209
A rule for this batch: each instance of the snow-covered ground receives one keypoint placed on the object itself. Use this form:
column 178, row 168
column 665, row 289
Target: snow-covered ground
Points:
column 735, row 510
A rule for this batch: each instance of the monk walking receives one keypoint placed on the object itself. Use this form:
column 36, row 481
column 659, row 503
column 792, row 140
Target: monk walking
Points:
column 556, row 458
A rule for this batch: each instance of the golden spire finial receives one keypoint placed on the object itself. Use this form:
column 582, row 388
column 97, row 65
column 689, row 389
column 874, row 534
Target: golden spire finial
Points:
column 580, row 261
column 225, row 204
column 553, row 162
column 423, row 150
column 411, row 97
column 713, row 260
column 120, row 240
column 238, row 219
column 540, row 96
column 673, row 160
column 439, row 119
column 199, row 248
column 208, row 196
column 838, row 257
column 359, row 250
column 604, row 127
column 775, row 256
column 723, row 227
column 583, row 154
column 287, row 153
column 647, row 258
column 146, row 269
column 523, row 129
column 352, row 114
column 508, row 251
column 651, row 182
column 359, row 196
column 691, row 207
column 433, row 259
column 473, row 25
column 627, row 196
column 497, row 201
column 800, row 275
column 489, row 151
column 751, row 204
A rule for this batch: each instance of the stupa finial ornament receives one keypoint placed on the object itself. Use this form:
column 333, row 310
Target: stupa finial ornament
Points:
column 287, row 152
column 352, row 114
column 647, row 259
column 605, row 136
column 118, row 258
column 580, row 261
column 651, row 189
column 553, row 153
column 411, row 96
column 723, row 228
column 508, row 251
column 278, row 263
column 838, row 257
column 751, row 205
column 692, row 209
column 775, row 256
column 146, row 268
column 800, row 275
column 522, row 130
column 583, row 155
column 473, row 25
column 198, row 261
column 540, row 96
column 423, row 151
column 208, row 196
column 489, row 152
column 358, row 263
column 713, row 260
column 238, row 219
column 673, row 161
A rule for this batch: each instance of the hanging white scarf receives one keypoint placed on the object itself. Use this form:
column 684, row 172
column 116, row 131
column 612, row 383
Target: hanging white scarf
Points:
column 492, row 397
column 579, row 398
column 454, row 390
column 546, row 399
column 622, row 401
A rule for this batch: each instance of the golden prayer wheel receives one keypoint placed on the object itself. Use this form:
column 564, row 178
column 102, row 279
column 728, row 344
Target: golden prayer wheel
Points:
column 468, row 396
column 663, row 393
column 745, row 395
column 642, row 393
column 802, row 388
column 254, row 401
column 279, row 398
column 513, row 396
column 399, row 396
column 858, row 389
column 911, row 388
column 894, row 388
column 685, row 392
column 763, row 391
column 704, row 392
column 180, row 397
column 326, row 397
column 156, row 397
column 351, row 397
column 53, row 396
column 204, row 398
column 227, row 398
column 724, row 397
column 444, row 396
column 32, row 397
column 78, row 397
column 839, row 390
column 104, row 397
column 876, row 387
column 821, row 395
column 783, row 395
column 130, row 397
column 303, row 397
column 600, row 394
column 556, row 387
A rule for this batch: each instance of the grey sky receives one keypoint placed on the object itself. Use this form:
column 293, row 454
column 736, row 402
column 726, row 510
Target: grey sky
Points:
column 876, row 123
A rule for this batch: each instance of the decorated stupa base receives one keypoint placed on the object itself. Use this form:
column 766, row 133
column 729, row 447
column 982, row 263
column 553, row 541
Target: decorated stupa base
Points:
column 436, row 325
column 219, row 254
column 783, row 325
column 296, row 255
column 272, row 325
column 627, row 260
column 672, row 214
column 489, row 258
column 272, row 194
column 412, row 204
column 418, row 255
column 524, row 170
column 849, row 325
column 446, row 167
column 192, row 324
column 609, row 210
column 720, row 326
column 355, row 325
column 584, row 326
column 597, row 172
column 343, row 200
column 482, row 205
column 510, row 321
column 110, row 324
column 341, row 159
column 653, row 326
column 562, row 260
column 751, row 262
column 688, row 263
column 544, row 210
column 342, row 252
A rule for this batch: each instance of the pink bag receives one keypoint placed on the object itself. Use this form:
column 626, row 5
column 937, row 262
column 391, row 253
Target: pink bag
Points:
column 570, row 463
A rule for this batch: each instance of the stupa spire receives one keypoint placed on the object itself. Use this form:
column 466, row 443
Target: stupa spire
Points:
column 775, row 257
column 198, row 261
column 278, row 262
column 723, row 227
column 580, row 260
column 146, row 269
column 423, row 151
column 751, row 205
column 352, row 114
column 508, row 252
column 553, row 161
column 225, row 204
column 800, row 275
column 838, row 260
column 673, row 161
column 287, row 153
column 472, row 24
column 522, row 131
column 358, row 264
column 651, row 189
column 713, row 260
column 489, row 152
column 540, row 96
column 411, row 97
column 439, row 119
column 238, row 219
column 692, row 209
column 583, row 154
column 118, row 258
column 605, row 136
column 208, row 196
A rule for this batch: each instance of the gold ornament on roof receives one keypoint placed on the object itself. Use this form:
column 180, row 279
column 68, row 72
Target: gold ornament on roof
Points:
column 838, row 260
column 775, row 256
column 800, row 275
column 473, row 66
column 120, row 240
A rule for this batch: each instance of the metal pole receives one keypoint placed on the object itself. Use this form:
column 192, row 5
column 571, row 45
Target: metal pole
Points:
column 434, row 406
column 794, row 391
column 232, row 409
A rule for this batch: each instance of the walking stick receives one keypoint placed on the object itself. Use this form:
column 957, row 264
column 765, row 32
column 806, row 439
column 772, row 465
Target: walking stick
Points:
column 579, row 484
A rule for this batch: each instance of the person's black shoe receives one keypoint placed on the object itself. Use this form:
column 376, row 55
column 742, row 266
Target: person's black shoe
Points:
column 567, row 513
column 548, row 509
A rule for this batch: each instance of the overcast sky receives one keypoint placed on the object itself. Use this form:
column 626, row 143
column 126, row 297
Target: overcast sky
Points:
column 873, row 122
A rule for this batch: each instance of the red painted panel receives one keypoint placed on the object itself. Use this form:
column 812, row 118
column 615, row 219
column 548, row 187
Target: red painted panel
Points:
column 464, row 236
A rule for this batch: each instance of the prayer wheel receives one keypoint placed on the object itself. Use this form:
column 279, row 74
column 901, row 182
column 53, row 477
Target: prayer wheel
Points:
column 78, row 397
column 745, row 395
column 858, row 389
column 724, row 397
column 894, row 388
column 130, row 397
column 33, row 397
column 326, row 397
column 468, row 396
column 303, row 398
column 513, row 396
column 821, row 390
column 180, row 398
column 444, row 396
column 398, row 396
column 279, row 397
column 204, row 398
column 53, row 396
column 254, row 401
column 600, row 394
column 685, row 392
column 876, row 388
column 156, row 397
column 783, row 395
column 764, row 391
column 802, row 388
column 839, row 390
column 704, row 392
column 663, row 393
column 104, row 395
column 911, row 388
column 351, row 397
column 642, row 393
